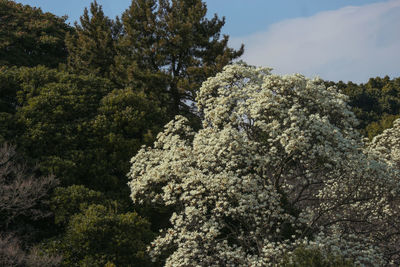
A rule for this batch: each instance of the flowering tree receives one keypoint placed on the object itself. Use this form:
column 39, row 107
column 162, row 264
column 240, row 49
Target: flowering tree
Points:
column 277, row 165
column 387, row 144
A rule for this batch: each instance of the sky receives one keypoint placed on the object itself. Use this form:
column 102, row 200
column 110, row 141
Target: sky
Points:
column 348, row 40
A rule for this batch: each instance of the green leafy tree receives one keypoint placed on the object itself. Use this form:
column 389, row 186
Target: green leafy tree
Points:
column 68, row 201
column 174, row 44
column 29, row 37
column 94, row 230
column 375, row 128
column 192, row 47
column 375, row 103
column 8, row 102
column 91, row 48
column 78, row 126
column 125, row 120
column 138, row 60
column 99, row 235
column 55, row 113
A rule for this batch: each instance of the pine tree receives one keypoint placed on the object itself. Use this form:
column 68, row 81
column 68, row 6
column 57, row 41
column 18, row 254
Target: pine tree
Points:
column 92, row 48
column 193, row 47
column 139, row 60
column 174, row 42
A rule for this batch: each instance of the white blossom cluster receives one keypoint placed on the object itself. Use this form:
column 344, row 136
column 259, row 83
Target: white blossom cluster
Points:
column 386, row 147
column 276, row 164
column 387, row 144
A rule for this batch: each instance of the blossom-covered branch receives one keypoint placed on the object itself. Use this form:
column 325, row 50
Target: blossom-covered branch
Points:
column 277, row 165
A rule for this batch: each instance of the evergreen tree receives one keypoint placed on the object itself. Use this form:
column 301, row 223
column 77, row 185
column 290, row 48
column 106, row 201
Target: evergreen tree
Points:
column 77, row 126
column 139, row 60
column 29, row 37
column 100, row 234
column 192, row 47
column 55, row 112
column 174, row 44
column 92, row 47
column 7, row 103
column 375, row 103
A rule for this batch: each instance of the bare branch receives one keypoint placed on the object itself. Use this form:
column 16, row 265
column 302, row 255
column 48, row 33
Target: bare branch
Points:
column 21, row 192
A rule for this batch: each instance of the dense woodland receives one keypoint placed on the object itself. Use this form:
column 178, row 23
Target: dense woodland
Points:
column 78, row 102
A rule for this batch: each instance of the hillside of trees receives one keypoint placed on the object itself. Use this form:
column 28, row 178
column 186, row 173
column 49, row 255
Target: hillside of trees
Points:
column 134, row 141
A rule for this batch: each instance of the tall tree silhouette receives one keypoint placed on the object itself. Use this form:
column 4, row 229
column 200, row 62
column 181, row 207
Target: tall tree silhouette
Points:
column 92, row 48
column 174, row 44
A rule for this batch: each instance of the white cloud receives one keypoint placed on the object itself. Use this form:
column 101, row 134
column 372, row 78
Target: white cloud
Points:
column 351, row 43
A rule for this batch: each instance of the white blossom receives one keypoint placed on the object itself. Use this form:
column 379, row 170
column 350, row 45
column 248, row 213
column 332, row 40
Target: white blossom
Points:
column 277, row 159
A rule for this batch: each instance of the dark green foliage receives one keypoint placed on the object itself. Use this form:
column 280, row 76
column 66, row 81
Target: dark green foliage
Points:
column 122, row 81
column 8, row 101
column 303, row 257
column 94, row 230
column 376, row 128
column 99, row 235
column 91, row 48
column 138, row 62
column 375, row 103
column 55, row 112
column 125, row 121
column 78, row 127
column 8, row 96
column 120, row 84
column 193, row 48
column 171, row 43
column 6, row 122
column 29, row 37
column 68, row 201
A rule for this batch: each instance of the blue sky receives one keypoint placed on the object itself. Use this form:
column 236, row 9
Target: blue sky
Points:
column 336, row 40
